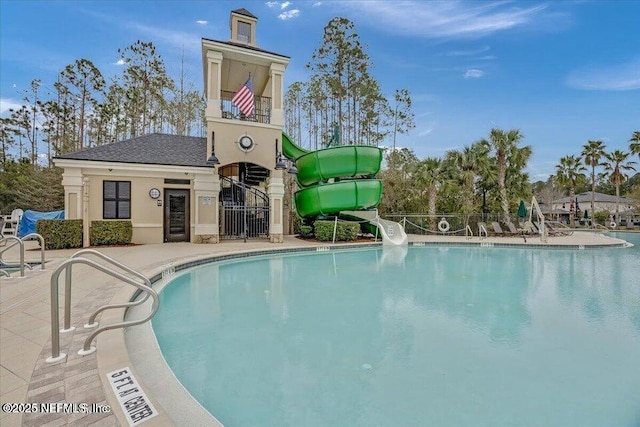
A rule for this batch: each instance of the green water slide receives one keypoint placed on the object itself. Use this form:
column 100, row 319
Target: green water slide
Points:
column 335, row 179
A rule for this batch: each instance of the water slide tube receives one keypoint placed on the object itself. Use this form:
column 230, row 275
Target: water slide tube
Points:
column 339, row 179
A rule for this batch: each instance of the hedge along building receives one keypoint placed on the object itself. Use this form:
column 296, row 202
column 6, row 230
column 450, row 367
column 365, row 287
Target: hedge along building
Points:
column 182, row 188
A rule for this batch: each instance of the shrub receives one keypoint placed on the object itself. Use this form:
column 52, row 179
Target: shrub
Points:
column 601, row 216
column 110, row 233
column 305, row 230
column 345, row 231
column 60, row 233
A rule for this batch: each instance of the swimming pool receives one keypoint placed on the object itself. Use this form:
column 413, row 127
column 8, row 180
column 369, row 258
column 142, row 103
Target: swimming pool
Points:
column 436, row 336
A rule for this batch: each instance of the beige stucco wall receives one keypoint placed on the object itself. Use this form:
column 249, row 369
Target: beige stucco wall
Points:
column 146, row 216
column 83, row 182
column 228, row 132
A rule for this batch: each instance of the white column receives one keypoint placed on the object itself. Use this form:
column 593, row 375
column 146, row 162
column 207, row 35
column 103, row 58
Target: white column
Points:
column 276, row 194
column 86, row 222
column 214, row 70
column 72, row 183
column 276, row 73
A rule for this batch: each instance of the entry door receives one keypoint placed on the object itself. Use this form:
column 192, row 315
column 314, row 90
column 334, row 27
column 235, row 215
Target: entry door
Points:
column 176, row 215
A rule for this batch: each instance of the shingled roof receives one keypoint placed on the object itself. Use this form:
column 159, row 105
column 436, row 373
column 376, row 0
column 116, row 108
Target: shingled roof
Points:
column 245, row 12
column 152, row 149
column 598, row 197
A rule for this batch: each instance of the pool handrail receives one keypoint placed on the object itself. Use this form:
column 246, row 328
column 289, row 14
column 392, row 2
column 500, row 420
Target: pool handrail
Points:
column 17, row 241
column 36, row 236
column 20, row 241
column 468, row 232
column 92, row 319
column 56, row 356
column 482, row 228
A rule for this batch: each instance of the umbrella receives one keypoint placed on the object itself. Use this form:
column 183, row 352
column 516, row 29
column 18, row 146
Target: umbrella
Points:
column 522, row 210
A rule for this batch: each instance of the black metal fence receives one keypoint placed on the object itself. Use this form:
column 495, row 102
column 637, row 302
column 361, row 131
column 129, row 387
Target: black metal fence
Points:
column 261, row 112
column 244, row 211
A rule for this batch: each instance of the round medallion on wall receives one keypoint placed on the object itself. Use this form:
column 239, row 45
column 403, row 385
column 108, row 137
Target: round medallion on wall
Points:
column 246, row 143
column 154, row 193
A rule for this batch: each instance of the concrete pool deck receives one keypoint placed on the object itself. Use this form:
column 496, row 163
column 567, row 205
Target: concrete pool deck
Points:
column 25, row 323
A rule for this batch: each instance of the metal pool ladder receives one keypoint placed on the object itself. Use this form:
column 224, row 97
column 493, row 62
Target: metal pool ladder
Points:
column 80, row 257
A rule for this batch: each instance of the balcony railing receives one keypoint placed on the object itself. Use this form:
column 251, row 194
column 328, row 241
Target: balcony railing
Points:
column 261, row 113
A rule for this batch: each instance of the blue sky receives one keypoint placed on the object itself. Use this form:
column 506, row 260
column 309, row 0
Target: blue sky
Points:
column 562, row 72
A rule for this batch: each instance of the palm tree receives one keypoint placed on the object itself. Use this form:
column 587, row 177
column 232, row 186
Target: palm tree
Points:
column 503, row 144
column 569, row 174
column 517, row 180
column 634, row 147
column 463, row 166
column 431, row 175
column 615, row 168
column 592, row 152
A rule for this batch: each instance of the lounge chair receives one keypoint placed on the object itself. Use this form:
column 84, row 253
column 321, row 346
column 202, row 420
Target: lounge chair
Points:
column 558, row 229
column 530, row 228
column 497, row 229
column 513, row 230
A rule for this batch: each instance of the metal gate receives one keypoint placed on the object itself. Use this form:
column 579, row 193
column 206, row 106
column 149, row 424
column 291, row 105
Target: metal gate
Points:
column 244, row 211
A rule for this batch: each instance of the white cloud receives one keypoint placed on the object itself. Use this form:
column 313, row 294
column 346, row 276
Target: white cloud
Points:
column 273, row 4
column 120, row 62
column 289, row 14
column 473, row 73
column 177, row 39
column 425, row 132
column 202, row 22
column 446, row 19
column 7, row 103
column 285, row 5
column 316, row 4
column 469, row 52
column 608, row 77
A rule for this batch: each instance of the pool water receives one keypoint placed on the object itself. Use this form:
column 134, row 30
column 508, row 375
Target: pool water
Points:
column 438, row 336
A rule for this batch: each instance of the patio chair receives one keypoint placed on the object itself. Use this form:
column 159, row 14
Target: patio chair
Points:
column 10, row 227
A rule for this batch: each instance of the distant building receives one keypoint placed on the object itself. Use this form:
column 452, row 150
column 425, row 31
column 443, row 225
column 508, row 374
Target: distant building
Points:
column 560, row 209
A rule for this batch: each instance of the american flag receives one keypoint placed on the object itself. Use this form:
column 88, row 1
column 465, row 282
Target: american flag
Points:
column 244, row 98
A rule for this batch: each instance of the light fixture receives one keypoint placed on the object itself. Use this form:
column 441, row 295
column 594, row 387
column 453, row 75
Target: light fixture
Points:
column 213, row 160
column 281, row 163
column 293, row 170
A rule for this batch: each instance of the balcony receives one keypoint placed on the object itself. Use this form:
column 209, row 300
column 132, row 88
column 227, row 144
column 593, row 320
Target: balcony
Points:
column 261, row 113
